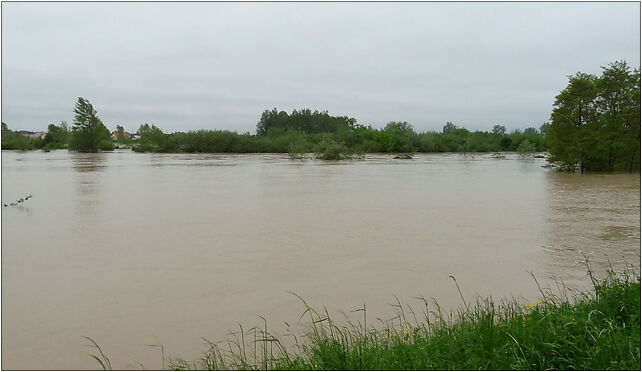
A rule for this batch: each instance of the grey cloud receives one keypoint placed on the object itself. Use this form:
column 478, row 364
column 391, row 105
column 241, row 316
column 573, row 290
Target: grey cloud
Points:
column 219, row 65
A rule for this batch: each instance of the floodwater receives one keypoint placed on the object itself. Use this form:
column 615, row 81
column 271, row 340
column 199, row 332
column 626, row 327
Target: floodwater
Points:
column 140, row 249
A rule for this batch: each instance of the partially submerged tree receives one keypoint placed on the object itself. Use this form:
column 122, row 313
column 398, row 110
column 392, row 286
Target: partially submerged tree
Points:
column 526, row 148
column 595, row 124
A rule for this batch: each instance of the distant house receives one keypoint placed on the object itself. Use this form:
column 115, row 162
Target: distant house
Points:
column 34, row 135
column 114, row 135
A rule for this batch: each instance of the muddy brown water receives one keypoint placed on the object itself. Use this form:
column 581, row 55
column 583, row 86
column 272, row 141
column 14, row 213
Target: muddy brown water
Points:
column 136, row 249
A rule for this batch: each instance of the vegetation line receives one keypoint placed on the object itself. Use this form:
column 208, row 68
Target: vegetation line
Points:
column 595, row 126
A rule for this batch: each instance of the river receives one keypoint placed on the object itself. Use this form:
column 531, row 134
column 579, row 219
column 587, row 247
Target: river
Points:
column 138, row 249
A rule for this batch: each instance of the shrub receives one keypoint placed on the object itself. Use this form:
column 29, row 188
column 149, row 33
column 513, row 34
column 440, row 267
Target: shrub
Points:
column 330, row 149
column 526, row 148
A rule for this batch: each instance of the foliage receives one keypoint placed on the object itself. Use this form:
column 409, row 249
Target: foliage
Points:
column 449, row 128
column 305, row 121
column 152, row 139
column 396, row 137
column 15, row 141
column 595, row 124
column 215, row 141
column 330, row 149
column 506, row 143
column 499, row 129
column 298, row 148
column 399, row 127
column 301, row 132
column 88, row 134
column 526, row 148
column 57, row 136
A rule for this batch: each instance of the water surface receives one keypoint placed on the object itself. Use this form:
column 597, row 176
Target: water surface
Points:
column 130, row 249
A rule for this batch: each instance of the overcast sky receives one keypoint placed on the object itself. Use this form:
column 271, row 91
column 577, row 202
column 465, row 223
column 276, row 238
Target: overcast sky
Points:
column 185, row 66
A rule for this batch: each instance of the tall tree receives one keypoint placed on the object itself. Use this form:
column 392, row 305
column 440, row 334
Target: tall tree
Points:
column 595, row 124
column 449, row 127
column 88, row 134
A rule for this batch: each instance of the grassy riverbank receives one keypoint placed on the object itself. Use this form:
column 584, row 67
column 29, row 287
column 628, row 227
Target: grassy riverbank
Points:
column 597, row 330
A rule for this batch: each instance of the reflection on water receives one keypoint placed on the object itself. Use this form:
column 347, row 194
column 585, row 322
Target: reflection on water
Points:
column 21, row 209
column 126, row 247
column 88, row 162
column 89, row 169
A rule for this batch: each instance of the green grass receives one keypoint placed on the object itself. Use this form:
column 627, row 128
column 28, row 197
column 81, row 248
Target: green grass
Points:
column 595, row 330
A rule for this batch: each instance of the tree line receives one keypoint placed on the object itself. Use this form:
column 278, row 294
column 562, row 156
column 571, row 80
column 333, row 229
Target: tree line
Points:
column 595, row 126
column 396, row 137
column 302, row 131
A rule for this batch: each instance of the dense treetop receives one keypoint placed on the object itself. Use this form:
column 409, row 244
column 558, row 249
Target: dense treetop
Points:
column 88, row 133
column 595, row 124
column 305, row 121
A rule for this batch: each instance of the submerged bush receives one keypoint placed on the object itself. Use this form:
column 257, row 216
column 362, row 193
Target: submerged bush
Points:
column 298, row 148
column 330, row 149
column 526, row 148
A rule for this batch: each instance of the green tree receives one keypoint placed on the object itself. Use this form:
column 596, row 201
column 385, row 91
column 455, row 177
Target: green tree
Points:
column 399, row 126
column 57, row 136
column 526, row 148
column 330, row 149
column 88, row 133
column 153, row 139
column 618, row 102
column 506, row 143
column 304, row 120
column 449, row 128
column 573, row 110
column 595, row 124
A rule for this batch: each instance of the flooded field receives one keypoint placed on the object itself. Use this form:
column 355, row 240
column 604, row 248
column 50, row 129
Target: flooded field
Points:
column 136, row 249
